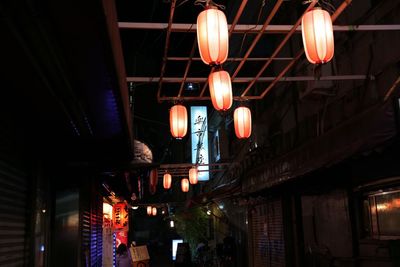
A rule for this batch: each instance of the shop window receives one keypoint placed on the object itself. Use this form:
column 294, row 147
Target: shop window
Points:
column 382, row 215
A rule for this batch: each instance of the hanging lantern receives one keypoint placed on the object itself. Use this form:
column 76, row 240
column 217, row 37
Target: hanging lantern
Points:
column 220, row 90
column 317, row 32
column 178, row 121
column 167, row 179
column 153, row 181
column 242, row 121
column 149, row 210
column 185, row 185
column 212, row 36
column 193, row 175
column 154, row 211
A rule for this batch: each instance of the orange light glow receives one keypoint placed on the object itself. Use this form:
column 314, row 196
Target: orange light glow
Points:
column 242, row 122
column 120, row 216
column 167, row 179
column 317, row 32
column 220, row 90
column 212, row 36
column 178, row 120
column 149, row 210
column 193, row 175
column 107, row 211
column 185, row 185
column 154, row 211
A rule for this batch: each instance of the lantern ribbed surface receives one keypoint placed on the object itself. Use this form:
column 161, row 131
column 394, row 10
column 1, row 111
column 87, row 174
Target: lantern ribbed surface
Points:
column 220, row 90
column 178, row 120
column 317, row 33
column 242, row 122
column 212, row 36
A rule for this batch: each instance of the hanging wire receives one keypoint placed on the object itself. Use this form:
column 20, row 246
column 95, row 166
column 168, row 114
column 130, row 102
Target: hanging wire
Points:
column 325, row 4
column 205, row 3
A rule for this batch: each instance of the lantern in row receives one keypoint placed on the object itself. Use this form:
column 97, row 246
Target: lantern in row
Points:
column 154, row 211
column 193, row 175
column 167, row 180
column 242, row 122
column 317, row 32
column 185, row 185
column 149, row 210
column 212, row 36
column 153, row 181
column 178, row 120
column 220, row 90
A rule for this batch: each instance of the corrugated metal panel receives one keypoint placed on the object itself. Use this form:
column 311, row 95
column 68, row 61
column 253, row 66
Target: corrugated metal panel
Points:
column 13, row 217
column 267, row 235
column 92, row 231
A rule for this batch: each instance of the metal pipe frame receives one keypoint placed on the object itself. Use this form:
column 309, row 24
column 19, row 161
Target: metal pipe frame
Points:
column 338, row 11
column 279, row 48
column 258, row 37
column 249, row 79
column 232, row 58
column 164, row 63
column 253, row 28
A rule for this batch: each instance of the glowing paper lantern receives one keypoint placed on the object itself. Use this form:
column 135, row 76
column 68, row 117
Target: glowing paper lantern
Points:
column 167, row 179
column 185, row 185
column 193, row 175
column 212, row 36
column 220, row 90
column 178, row 120
column 317, row 32
column 154, row 211
column 149, row 210
column 242, row 121
column 153, row 181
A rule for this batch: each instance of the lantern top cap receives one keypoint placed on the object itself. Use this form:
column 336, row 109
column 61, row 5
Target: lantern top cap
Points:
column 316, row 8
column 211, row 6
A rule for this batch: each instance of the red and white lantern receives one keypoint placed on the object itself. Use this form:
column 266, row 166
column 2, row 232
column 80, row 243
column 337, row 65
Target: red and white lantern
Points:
column 185, row 185
column 212, row 36
column 220, row 90
column 317, row 32
column 193, row 175
column 167, row 180
column 242, row 122
column 178, row 120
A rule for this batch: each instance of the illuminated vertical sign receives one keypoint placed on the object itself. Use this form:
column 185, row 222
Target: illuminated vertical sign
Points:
column 199, row 129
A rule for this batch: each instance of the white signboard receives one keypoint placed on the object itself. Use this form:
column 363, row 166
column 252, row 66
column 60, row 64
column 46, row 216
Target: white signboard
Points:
column 199, row 128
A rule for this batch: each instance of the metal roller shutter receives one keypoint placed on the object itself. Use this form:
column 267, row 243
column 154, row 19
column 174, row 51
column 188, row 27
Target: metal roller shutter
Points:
column 13, row 216
column 267, row 235
column 92, row 231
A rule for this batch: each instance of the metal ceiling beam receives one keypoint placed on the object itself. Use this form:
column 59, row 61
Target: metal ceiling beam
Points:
column 257, row 38
column 252, row 28
column 250, row 79
column 338, row 11
column 231, row 58
column 164, row 63
column 279, row 48
column 187, row 66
